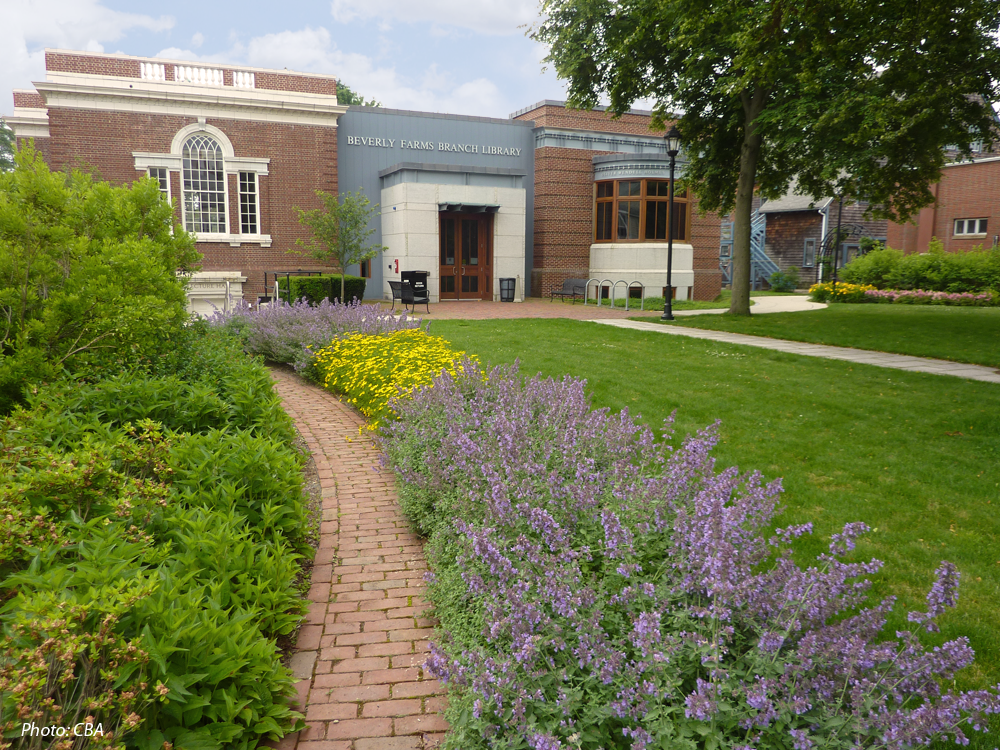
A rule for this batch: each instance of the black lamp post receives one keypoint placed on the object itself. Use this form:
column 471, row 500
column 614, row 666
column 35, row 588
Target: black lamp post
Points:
column 673, row 139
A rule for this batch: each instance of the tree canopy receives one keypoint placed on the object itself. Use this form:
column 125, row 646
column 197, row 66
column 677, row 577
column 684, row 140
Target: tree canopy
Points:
column 340, row 231
column 853, row 98
column 6, row 147
column 346, row 95
column 88, row 274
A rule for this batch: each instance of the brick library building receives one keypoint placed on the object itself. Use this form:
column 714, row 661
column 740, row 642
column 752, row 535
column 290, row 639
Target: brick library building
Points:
column 546, row 195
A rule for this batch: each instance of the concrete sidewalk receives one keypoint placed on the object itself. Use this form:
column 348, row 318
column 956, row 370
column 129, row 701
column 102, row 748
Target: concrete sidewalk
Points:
column 861, row 356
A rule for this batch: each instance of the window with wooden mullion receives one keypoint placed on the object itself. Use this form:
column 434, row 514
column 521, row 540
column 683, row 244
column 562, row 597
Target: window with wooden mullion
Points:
column 636, row 211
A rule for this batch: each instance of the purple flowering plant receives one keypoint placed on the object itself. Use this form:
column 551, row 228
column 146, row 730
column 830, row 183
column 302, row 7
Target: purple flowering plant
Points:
column 293, row 333
column 598, row 588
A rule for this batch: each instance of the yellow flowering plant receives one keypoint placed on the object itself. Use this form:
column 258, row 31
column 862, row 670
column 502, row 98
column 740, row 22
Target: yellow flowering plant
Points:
column 844, row 292
column 371, row 370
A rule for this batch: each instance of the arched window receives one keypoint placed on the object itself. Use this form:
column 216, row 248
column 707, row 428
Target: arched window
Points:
column 204, row 185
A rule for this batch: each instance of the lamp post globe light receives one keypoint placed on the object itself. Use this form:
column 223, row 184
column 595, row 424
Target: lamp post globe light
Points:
column 673, row 140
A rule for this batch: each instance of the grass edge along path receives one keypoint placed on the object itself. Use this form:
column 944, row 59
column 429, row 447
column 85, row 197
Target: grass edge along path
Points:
column 916, row 456
column 360, row 653
column 958, row 334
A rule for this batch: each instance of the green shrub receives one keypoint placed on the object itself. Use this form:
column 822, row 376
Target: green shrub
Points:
column 317, row 288
column 148, row 526
column 257, row 477
column 88, row 275
column 971, row 271
column 784, row 281
column 874, row 267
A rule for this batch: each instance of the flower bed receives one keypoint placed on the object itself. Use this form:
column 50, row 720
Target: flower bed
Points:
column 292, row 333
column 599, row 589
column 921, row 297
column 841, row 292
column 372, row 369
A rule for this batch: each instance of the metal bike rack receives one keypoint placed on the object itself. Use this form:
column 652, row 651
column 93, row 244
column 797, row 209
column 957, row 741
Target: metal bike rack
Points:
column 642, row 295
column 614, row 287
column 586, row 291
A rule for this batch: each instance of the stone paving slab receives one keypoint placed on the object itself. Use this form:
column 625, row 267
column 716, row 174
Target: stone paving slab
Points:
column 360, row 653
column 861, row 356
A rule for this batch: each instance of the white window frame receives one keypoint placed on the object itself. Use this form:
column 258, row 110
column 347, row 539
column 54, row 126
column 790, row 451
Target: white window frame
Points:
column 981, row 225
column 805, row 252
column 256, row 200
column 165, row 193
column 232, row 165
column 225, row 194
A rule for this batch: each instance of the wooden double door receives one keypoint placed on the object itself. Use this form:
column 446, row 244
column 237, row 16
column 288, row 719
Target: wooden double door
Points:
column 466, row 255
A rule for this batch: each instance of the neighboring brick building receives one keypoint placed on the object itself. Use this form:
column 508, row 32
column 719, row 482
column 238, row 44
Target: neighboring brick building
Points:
column 537, row 197
column 965, row 214
column 583, row 161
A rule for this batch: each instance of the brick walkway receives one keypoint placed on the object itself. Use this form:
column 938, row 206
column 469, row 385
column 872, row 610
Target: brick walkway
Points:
column 360, row 653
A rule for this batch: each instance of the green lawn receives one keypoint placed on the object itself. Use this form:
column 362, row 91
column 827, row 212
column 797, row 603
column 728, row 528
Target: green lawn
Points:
column 914, row 455
column 961, row 334
column 719, row 303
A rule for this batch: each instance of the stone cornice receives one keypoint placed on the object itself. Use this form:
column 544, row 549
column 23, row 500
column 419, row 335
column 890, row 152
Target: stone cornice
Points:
column 29, row 122
column 83, row 91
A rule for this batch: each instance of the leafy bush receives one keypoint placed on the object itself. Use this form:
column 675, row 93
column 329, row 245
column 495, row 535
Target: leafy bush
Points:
column 315, row 289
column 256, row 477
column 371, row 370
column 164, row 557
column 89, row 275
column 841, row 292
column 969, row 271
column 784, row 281
column 293, row 333
column 599, row 589
column 874, row 268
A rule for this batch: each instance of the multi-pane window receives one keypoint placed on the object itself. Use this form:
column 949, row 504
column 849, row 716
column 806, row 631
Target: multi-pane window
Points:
column 970, row 226
column 204, row 185
column 160, row 175
column 248, row 203
column 605, row 206
column 809, row 253
column 636, row 210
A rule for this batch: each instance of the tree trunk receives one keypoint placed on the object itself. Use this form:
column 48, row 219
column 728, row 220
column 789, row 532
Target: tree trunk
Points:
column 342, row 275
column 753, row 104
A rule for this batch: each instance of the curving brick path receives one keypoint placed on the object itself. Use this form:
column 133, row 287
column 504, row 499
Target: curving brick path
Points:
column 360, row 653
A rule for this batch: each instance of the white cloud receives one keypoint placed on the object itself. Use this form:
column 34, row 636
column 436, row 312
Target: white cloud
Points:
column 313, row 51
column 197, row 40
column 29, row 27
column 492, row 17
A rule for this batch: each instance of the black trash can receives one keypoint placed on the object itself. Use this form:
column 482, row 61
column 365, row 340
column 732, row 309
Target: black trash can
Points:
column 414, row 288
column 507, row 289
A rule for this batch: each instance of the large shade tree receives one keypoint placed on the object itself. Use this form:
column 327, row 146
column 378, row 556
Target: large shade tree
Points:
column 854, row 98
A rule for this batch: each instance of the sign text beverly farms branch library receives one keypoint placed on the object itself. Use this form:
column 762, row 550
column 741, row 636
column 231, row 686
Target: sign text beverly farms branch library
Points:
column 468, row 148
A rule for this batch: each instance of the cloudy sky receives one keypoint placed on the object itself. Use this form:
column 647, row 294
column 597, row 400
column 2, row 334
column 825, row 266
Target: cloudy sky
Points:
column 458, row 56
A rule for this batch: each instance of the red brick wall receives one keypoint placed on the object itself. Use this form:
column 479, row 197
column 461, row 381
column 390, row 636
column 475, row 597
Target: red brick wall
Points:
column 706, row 231
column 287, row 82
column 123, row 67
column 63, row 62
column 564, row 206
column 42, row 146
column 303, row 159
column 30, row 99
column 564, row 217
column 966, row 191
column 554, row 116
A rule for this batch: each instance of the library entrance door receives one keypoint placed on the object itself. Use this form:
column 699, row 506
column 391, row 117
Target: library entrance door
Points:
column 466, row 250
